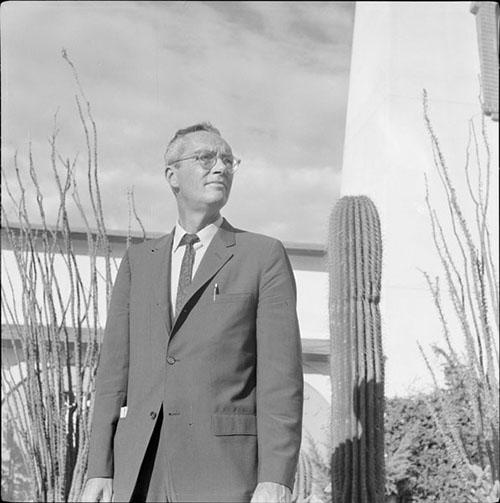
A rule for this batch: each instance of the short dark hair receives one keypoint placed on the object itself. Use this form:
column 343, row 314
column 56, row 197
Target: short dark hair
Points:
column 172, row 150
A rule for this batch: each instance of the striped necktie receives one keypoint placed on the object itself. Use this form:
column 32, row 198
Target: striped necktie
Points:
column 186, row 269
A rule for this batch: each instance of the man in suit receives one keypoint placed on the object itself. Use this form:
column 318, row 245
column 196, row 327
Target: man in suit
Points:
column 202, row 350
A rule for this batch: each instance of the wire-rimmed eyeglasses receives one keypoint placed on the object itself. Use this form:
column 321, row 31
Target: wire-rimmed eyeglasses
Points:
column 207, row 160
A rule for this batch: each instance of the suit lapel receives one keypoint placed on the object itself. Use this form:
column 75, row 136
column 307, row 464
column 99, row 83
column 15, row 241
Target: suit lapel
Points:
column 160, row 270
column 217, row 255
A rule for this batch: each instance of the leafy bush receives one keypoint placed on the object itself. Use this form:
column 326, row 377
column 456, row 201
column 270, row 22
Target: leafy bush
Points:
column 430, row 475
column 15, row 479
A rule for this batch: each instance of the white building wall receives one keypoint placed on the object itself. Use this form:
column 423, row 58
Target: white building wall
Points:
column 312, row 300
column 399, row 48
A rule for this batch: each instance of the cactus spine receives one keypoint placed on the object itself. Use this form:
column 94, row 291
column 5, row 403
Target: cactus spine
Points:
column 356, row 359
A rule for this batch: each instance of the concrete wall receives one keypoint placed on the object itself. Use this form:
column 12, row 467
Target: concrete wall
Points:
column 399, row 48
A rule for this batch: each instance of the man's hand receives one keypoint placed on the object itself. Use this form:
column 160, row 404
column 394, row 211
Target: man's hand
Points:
column 98, row 489
column 271, row 492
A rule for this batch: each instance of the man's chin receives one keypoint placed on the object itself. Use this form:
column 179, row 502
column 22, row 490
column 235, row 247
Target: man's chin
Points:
column 216, row 203
column 217, row 196
column 216, row 188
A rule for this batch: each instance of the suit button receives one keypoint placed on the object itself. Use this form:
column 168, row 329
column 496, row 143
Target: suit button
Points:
column 171, row 360
column 152, row 415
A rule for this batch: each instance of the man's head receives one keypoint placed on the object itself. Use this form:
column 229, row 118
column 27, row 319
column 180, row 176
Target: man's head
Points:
column 197, row 184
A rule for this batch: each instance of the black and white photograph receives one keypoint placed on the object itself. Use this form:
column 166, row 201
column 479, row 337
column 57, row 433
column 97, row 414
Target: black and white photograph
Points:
column 249, row 251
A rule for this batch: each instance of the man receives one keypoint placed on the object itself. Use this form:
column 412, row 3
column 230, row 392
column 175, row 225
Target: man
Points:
column 202, row 350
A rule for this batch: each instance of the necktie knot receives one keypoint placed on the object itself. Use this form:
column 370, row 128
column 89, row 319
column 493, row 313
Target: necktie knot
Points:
column 189, row 239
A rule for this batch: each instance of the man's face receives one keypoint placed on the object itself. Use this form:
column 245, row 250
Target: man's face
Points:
column 196, row 187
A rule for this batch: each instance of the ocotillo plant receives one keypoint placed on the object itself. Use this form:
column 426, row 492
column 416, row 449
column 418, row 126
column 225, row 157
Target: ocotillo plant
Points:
column 302, row 488
column 357, row 370
column 470, row 301
column 50, row 301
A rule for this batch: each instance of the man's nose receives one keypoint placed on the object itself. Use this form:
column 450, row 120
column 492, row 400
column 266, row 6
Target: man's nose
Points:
column 219, row 167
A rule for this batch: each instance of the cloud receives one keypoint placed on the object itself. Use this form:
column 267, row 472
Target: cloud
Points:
column 297, row 202
column 272, row 76
column 243, row 14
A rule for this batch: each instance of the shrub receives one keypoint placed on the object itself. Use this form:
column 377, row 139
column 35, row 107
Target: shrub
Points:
column 430, row 475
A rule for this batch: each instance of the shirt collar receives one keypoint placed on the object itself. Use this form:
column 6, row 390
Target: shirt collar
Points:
column 206, row 234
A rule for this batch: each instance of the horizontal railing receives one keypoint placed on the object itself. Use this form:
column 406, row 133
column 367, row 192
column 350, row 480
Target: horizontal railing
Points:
column 303, row 256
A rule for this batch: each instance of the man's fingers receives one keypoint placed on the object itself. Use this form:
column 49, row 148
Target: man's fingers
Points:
column 98, row 490
column 107, row 495
column 89, row 495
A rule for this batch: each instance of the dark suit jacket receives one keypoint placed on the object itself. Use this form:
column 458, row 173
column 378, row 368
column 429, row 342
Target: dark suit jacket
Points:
column 228, row 371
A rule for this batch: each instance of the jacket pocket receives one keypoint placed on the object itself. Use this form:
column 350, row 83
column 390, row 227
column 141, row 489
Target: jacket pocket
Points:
column 234, row 424
column 232, row 297
column 225, row 298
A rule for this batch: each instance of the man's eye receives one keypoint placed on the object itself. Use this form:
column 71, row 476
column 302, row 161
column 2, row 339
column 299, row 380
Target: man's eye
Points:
column 207, row 156
column 227, row 160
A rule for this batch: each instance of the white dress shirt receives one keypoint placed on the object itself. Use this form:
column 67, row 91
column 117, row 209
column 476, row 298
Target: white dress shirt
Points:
column 206, row 235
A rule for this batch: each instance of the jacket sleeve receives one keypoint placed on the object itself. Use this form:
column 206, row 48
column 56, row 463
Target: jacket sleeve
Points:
column 112, row 376
column 279, row 371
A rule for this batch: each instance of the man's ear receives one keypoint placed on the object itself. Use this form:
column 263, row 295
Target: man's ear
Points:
column 171, row 176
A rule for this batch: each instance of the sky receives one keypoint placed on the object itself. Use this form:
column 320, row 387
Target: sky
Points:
column 271, row 76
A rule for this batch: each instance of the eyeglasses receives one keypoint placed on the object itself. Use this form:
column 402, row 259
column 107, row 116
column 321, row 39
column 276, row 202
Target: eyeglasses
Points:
column 208, row 159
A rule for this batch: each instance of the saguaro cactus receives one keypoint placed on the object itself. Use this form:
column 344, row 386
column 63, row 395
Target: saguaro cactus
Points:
column 357, row 370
